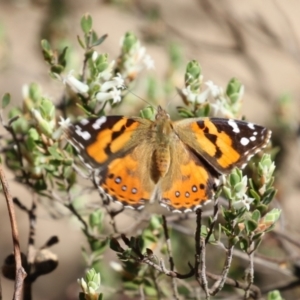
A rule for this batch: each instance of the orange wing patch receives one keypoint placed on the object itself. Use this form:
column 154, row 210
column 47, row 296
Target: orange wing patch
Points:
column 219, row 145
column 111, row 140
column 192, row 186
column 122, row 182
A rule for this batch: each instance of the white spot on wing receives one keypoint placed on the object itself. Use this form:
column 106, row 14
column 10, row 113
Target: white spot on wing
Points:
column 99, row 122
column 252, row 138
column 84, row 134
column 234, row 126
column 244, row 141
column 251, row 126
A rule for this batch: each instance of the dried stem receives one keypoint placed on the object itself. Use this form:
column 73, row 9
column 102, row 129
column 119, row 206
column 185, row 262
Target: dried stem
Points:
column 222, row 280
column 20, row 272
column 197, row 244
column 214, row 220
column 203, row 277
column 250, row 272
column 171, row 260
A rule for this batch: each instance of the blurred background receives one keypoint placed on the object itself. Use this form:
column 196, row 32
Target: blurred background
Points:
column 257, row 42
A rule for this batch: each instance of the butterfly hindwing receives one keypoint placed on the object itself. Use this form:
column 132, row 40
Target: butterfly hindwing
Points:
column 124, row 182
column 190, row 182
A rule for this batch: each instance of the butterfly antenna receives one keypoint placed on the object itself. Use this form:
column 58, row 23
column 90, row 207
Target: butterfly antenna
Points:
column 134, row 94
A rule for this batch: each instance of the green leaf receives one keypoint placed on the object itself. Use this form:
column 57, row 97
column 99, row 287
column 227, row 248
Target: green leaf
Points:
column 57, row 69
column 255, row 195
column 150, row 291
column 131, row 286
column 80, row 41
column 86, row 23
column 250, row 225
column 243, row 244
column 55, row 153
column 115, row 246
column 96, row 218
column 45, row 45
column 274, row 295
column 100, row 297
column 62, row 57
column 100, row 40
column 5, row 100
column 256, row 215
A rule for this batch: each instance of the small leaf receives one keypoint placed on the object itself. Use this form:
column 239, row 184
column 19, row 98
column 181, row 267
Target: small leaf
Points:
column 86, row 23
column 62, row 57
column 53, row 150
column 250, row 225
column 274, row 295
column 243, row 244
column 100, row 40
column 114, row 245
column 100, row 297
column 45, row 45
column 5, row 100
column 255, row 195
column 80, row 41
column 256, row 215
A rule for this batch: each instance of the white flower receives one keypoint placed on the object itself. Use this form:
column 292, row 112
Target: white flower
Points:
column 215, row 90
column 76, row 85
column 64, row 123
column 95, row 55
column 115, row 94
column 190, row 96
column 218, row 109
column 138, row 52
column 25, row 91
column 116, row 266
column 148, row 62
column 201, row 98
column 116, row 82
column 245, row 202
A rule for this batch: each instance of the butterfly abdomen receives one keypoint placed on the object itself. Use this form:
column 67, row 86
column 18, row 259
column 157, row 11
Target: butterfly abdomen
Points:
column 160, row 162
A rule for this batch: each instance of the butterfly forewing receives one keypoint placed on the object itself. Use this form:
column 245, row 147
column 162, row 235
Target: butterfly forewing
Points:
column 98, row 140
column 223, row 143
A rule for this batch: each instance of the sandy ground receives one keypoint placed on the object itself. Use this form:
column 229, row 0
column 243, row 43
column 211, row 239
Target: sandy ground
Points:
column 257, row 42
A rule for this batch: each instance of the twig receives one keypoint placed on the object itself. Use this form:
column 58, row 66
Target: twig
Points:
column 20, row 272
column 223, row 278
column 255, row 291
column 31, row 252
column 203, row 277
column 197, row 244
column 171, row 260
column 214, row 220
column 250, row 272
column 159, row 267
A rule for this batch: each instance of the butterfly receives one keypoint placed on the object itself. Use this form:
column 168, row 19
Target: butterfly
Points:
column 176, row 163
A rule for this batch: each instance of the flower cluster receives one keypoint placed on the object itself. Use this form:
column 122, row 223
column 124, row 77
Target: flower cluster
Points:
column 220, row 103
